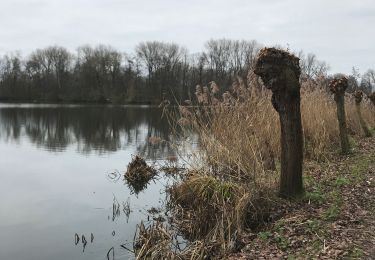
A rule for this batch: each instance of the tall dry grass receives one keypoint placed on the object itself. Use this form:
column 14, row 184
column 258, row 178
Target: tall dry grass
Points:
column 240, row 131
column 368, row 113
column 235, row 184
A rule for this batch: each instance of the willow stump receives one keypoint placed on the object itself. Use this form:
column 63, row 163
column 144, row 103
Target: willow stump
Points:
column 358, row 96
column 280, row 72
column 372, row 98
column 338, row 87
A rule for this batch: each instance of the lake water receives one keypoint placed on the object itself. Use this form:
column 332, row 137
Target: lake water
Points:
column 55, row 169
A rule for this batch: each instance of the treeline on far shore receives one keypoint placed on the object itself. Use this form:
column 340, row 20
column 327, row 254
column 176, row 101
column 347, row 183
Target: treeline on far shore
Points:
column 152, row 72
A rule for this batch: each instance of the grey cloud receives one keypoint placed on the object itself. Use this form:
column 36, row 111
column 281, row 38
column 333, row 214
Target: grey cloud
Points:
column 338, row 31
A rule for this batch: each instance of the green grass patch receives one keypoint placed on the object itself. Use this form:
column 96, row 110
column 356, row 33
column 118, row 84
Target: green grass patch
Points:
column 313, row 225
column 341, row 181
column 282, row 242
column 361, row 165
column 315, row 196
column 264, row 235
column 355, row 253
column 332, row 212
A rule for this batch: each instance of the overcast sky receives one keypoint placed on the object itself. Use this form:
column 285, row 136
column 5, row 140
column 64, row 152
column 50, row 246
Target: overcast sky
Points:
column 341, row 32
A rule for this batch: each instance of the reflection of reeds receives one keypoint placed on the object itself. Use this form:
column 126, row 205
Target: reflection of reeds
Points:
column 171, row 166
column 115, row 209
column 113, row 175
column 154, row 140
column 76, row 239
column 153, row 211
column 84, row 242
column 83, row 239
column 110, row 252
column 139, row 174
column 126, row 209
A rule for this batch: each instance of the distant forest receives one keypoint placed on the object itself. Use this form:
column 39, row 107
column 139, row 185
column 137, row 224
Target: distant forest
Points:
column 152, row 72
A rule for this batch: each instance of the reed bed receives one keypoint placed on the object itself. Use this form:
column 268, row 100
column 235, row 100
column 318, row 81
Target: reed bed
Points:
column 233, row 186
column 157, row 241
column 153, row 242
column 239, row 130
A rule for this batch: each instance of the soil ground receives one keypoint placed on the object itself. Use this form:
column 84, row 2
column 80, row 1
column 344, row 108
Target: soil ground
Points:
column 334, row 220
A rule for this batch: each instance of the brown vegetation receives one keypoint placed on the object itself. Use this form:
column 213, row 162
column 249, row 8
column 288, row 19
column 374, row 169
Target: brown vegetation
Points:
column 139, row 174
column 234, row 131
column 226, row 206
column 230, row 192
column 153, row 242
column 358, row 96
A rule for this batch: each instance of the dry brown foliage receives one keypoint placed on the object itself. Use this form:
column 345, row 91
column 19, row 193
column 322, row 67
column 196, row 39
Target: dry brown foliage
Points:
column 338, row 85
column 238, row 131
column 138, row 174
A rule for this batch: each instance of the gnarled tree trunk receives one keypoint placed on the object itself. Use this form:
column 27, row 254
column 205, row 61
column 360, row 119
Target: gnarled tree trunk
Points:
column 280, row 71
column 338, row 87
column 372, row 98
column 358, row 96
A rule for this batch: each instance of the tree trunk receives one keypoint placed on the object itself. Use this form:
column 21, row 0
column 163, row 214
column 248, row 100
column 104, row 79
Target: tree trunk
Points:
column 291, row 147
column 372, row 98
column 280, row 72
column 338, row 87
column 362, row 121
column 340, row 103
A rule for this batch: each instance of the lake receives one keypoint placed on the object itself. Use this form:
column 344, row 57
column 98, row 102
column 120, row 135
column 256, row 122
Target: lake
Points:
column 61, row 169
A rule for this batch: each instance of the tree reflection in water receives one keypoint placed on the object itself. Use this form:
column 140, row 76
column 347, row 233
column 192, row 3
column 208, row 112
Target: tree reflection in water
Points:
column 82, row 130
column 99, row 129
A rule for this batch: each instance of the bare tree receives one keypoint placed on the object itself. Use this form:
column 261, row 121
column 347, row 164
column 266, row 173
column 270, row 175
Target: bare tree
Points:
column 311, row 67
column 100, row 69
column 155, row 71
column 11, row 75
column 164, row 63
column 368, row 81
column 225, row 59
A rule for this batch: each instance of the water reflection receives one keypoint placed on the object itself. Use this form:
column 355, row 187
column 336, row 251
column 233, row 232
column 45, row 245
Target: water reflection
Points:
column 113, row 175
column 100, row 129
column 62, row 173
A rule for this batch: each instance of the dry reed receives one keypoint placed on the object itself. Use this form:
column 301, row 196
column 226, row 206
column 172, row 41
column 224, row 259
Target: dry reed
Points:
column 239, row 132
column 138, row 174
column 233, row 187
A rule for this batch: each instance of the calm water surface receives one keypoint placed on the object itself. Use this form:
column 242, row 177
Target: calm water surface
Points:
column 55, row 165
